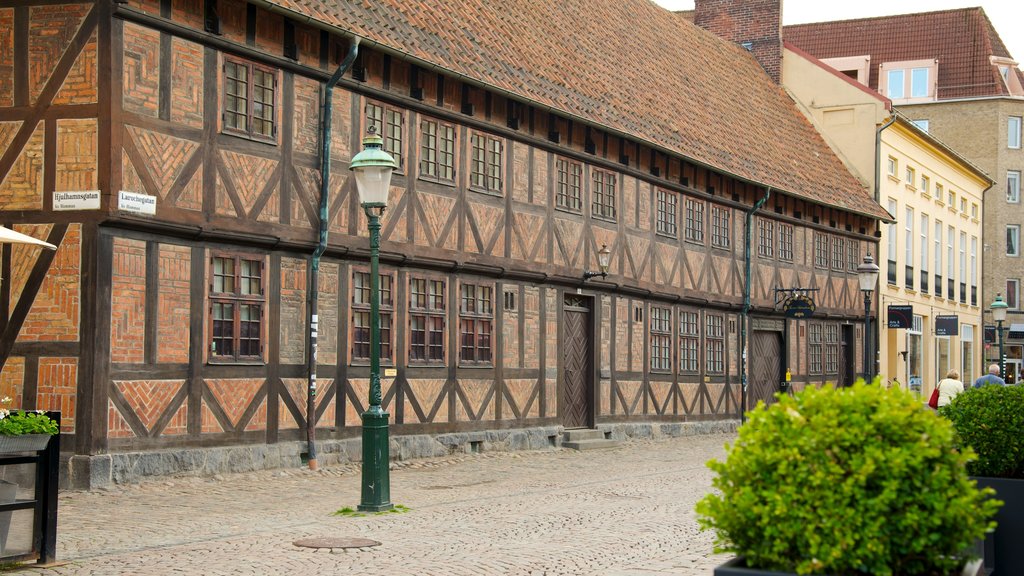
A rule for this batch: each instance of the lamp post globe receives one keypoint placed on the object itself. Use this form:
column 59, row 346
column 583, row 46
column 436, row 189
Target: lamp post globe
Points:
column 372, row 169
column 999, row 307
column 867, row 274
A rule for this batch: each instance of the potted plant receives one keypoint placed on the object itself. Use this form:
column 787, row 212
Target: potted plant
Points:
column 24, row 431
column 990, row 420
column 858, row 480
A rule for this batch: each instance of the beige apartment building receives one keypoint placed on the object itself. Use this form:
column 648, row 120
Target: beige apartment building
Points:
column 957, row 81
column 930, row 256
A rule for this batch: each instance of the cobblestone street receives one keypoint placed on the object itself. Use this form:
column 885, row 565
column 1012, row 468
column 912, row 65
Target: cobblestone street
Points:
column 624, row 511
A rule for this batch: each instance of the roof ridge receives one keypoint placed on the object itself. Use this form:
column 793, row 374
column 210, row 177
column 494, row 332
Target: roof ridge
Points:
column 901, row 15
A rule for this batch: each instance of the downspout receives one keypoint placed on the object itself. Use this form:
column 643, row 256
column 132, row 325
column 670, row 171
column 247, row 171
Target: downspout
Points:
column 746, row 302
column 878, row 159
column 321, row 247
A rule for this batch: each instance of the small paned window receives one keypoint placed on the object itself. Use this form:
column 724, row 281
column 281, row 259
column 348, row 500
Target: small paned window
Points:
column 568, row 194
column 661, row 339
column 894, row 166
column 667, row 212
column 437, row 150
column 1012, row 240
column 766, row 238
column 475, row 324
column 250, row 100
column 820, row 250
column 638, row 313
column 694, row 220
column 389, row 123
column 603, row 192
column 714, row 344
column 786, row 242
column 510, row 301
column 486, row 163
column 853, row 252
column 1013, row 132
column 721, row 227
column 814, row 348
column 689, row 343
column 426, row 320
column 236, row 308
column 1012, row 187
column 361, row 316
column 831, row 349
column 838, row 253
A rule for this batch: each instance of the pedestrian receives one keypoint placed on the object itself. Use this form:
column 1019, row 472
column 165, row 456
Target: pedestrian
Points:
column 949, row 387
column 991, row 378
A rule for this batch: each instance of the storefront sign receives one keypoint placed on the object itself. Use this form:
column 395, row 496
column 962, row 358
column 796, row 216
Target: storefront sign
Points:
column 947, row 325
column 901, row 316
column 800, row 306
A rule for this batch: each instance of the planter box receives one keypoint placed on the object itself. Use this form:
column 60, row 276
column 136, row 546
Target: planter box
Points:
column 24, row 443
column 1009, row 533
column 738, row 567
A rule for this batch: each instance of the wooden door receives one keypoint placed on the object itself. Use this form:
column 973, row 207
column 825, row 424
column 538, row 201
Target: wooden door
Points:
column 848, row 368
column 766, row 367
column 577, row 356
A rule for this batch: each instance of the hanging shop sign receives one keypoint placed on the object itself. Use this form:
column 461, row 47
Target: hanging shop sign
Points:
column 901, row 316
column 799, row 306
column 947, row 325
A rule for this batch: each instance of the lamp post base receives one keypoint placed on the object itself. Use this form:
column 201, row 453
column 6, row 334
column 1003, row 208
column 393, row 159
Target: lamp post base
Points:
column 376, row 495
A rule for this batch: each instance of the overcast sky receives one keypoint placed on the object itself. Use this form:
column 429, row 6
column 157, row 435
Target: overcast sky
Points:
column 1002, row 13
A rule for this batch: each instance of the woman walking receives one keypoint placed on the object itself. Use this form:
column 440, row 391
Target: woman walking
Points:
column 949, row 387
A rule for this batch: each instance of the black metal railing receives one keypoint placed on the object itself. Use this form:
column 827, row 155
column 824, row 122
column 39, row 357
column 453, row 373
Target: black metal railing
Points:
column 43, row 504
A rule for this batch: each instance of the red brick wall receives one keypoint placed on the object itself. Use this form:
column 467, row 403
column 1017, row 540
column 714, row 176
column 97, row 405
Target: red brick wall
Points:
column 756, row 21
column 50, row 31
column 293, row 311
column 57, row 389
column 174, row 304
column 7, row 57
column 141, row 70
column 128, row 302
column 56, row 310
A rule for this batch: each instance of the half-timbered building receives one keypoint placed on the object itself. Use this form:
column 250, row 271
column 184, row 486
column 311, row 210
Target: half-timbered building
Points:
column 172, row 150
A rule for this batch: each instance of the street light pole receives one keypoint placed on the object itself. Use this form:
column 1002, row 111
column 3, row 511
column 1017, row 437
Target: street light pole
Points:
column 999, row 307
column 867, row 274
column 373, row 167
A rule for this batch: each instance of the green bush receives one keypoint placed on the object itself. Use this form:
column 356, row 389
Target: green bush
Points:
column 859, row 480
column 990, row 420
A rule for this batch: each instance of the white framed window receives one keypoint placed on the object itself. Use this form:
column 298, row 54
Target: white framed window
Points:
column 908, row 80
column 937, row 247
column 908, row 246
column 915, row 351
column 938, row 191
column 963, row 260
column 951, row 200
column 925, row 228
column 926, row 184
column 974, row 211
column 950, row 262
column 911, row 176
column 963, row 205
column 890, row 274
column 895, row 88
column 1013, row 186
column 919, row 83
column 1013, row 240
column 894, row 166
column 1013, row 132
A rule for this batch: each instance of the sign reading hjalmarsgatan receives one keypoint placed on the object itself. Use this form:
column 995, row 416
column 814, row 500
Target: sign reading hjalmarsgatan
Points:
column 901, row 316
column 799, row 306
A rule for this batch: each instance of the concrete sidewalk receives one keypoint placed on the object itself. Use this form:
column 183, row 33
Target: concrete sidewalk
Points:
column 623, row 511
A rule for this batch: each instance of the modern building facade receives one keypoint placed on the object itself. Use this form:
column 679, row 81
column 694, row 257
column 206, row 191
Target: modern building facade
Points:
column 950, row 73
column 929, row 253
column 172, row 149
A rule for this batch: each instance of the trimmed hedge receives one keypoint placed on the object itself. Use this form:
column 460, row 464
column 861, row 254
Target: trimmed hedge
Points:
column 990, row 420
column 854, row 481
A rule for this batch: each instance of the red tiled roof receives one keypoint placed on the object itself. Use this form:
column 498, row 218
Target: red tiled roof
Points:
column 961, row 40
column 625, row 64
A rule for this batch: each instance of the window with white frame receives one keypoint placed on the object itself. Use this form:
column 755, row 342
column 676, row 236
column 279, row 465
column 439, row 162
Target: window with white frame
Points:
column 721, row 226
column 915, row 350
column 1013, row 186
column 1013, row 240
column 922, row 124
column 937, row 249
column 911, row 176
column 974, row 211
column 689, row 342
column 925, row 228
column 926, row 184
column 895, row 89
column 1013, row 132
column 908, row 80
column 714, row 344
column 939, row 190
column 786, row 242
column 951, row 200
column 963, row 266
column 963, row 205
column 950, row 261
column 974, row 270
column 908, row 256
column 894, row 166
column 766, row 238
column 661, row 339
column 814, row 347
column 892, row 249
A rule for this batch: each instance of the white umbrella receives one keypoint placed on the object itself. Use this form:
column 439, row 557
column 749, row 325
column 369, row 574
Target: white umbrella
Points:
column 9, row 236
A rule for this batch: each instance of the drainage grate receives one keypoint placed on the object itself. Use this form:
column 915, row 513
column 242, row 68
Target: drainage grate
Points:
column 324, row 542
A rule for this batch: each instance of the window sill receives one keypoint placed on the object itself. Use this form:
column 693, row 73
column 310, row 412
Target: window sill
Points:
column 439, row 181
column 235, row 363
column 696, row 242
column 568, row 210
column 723, row 248
column 893, row 178
column 910, row 187
column 249, row 137
column 486, row 192
column 667, row 236
column 603, row 218
column 471, row 366
column 418, row 364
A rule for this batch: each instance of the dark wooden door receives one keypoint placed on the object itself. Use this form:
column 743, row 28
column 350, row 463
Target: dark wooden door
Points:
column 766, row 367
column 578, row 361
column 848, row 368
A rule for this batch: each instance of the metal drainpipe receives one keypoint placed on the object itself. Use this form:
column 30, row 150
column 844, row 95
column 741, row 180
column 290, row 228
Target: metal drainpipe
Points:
column 321, row 247
column 878, row 159
column 746, row 302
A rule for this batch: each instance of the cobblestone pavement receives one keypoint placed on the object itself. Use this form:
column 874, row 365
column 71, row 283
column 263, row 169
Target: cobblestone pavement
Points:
column 627, row 511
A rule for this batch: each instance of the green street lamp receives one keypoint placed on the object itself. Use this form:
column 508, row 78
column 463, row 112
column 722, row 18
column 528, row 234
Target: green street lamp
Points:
column 867, row 274
column 999, row 315
column 372, row 168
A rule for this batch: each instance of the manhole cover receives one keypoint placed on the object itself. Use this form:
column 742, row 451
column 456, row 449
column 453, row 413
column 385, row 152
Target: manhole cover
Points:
column 323, row 542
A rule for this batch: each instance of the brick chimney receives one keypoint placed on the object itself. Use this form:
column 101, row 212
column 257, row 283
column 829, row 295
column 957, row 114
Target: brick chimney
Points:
column 754, row 24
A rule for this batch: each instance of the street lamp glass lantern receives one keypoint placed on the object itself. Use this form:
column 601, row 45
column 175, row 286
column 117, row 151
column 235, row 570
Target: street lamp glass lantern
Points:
column 604, row 257
column 867, row 272
column 999, row 307
column 373, row 168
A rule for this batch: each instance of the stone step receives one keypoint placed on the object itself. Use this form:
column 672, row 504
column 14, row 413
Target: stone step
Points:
column 577, row 434
column 591, row 444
